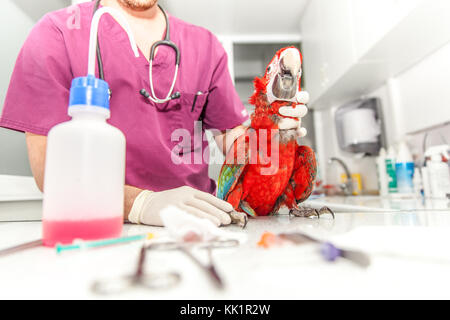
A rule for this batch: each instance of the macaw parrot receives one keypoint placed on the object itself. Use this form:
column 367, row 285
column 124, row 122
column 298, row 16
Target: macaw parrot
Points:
column 266, row 168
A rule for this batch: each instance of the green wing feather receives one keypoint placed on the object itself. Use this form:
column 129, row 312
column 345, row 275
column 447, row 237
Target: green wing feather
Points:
column 233, row 168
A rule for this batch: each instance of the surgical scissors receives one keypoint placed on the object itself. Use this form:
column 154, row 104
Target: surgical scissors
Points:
column 138, row 279
column 209, row 267
column 164, row 280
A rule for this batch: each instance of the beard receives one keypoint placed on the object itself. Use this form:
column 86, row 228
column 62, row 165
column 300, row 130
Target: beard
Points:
column 138, row 5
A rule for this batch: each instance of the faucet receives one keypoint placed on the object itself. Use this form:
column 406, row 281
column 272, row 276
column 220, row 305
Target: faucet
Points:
column 346, row 187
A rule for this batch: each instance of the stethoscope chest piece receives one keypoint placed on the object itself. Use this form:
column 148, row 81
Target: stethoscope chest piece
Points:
column 168, row 43
column 165, row 42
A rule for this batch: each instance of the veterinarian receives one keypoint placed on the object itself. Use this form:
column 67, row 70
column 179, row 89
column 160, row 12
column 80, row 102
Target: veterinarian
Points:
column 55, row 53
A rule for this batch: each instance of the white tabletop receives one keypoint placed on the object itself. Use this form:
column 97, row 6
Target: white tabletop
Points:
column 249, row 271
column 18, row 188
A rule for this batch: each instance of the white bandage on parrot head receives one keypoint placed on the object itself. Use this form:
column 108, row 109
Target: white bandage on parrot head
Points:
column 284, row 76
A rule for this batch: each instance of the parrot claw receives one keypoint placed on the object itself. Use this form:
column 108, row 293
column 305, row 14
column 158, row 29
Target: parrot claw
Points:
column 239, row 218
column 310, row 212
column 304, row 212
column 327, row 210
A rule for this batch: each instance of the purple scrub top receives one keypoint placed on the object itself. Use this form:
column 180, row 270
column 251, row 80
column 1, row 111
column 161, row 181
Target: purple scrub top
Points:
column 56, row 51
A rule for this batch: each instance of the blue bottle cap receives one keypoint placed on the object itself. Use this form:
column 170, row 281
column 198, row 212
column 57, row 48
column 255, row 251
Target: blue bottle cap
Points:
column 89, row 91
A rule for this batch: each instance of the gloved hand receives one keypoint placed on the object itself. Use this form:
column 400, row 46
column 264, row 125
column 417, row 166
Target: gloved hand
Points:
column 148, row 205
column 299, row 112
column 302, row 99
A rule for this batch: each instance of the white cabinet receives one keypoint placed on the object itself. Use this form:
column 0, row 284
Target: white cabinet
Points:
column 341, row 34
column 374, row 19
column 338, row 47
column 314, row 66
column 328, row 45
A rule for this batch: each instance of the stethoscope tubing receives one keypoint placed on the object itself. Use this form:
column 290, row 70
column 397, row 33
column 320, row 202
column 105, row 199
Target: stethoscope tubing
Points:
column 166, row 42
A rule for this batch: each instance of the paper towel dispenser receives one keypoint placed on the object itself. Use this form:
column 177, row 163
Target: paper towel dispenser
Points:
column 360, row 127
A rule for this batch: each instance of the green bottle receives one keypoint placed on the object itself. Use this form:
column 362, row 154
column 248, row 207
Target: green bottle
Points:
column 390, row 171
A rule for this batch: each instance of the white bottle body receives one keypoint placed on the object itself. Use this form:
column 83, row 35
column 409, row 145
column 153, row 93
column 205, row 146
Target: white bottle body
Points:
column 84, row 177
column 390, row 171
column 439, row 178
column 426, row 183
column 382, row 175
column 405, row 170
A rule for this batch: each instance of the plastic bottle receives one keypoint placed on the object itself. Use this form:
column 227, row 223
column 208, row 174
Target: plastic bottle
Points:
column 418, row 183
column 85, row 170
column 390, row 170
column 438, row 171
column 404, row 170
column 426, row 182
column 85, row 161
column 382, row 175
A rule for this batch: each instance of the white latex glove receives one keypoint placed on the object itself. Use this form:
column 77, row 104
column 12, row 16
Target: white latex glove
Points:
column 148, row 206
column 299, row 112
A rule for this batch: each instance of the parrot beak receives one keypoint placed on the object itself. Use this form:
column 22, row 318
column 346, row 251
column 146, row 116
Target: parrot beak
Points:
column 285, row 84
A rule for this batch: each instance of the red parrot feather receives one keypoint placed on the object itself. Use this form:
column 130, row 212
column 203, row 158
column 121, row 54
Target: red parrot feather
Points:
column 244, row 181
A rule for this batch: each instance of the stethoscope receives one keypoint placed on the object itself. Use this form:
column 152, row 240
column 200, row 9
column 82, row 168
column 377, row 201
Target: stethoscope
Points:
column 165, row 42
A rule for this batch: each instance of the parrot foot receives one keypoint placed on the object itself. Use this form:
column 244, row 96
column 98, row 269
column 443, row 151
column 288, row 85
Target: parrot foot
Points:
column 324, row 210
column 239, row 218
column 305, row 212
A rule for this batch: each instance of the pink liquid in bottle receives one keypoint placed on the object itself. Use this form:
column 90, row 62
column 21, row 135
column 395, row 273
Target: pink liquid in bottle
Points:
column 66, row 231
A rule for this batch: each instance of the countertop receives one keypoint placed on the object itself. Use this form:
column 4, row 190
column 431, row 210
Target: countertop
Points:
column 393, row 203
column 251, row 272
column 20, row 199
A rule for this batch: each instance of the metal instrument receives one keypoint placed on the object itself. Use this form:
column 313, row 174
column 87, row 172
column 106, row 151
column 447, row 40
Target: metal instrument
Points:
column 167, row 279
column 21, row 247
column 328, row 250
column 138, row 279
column 186, row 248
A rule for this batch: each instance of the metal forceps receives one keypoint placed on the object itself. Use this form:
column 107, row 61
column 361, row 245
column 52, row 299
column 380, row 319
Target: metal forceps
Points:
column 138, row 279
column 209, row 268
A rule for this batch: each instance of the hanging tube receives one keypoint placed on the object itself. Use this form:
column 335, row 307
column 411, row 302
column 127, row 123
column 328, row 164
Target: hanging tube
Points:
column 119, row 16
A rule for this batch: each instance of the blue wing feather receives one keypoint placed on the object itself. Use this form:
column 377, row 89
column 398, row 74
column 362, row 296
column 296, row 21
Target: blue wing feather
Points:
column 228, row 177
